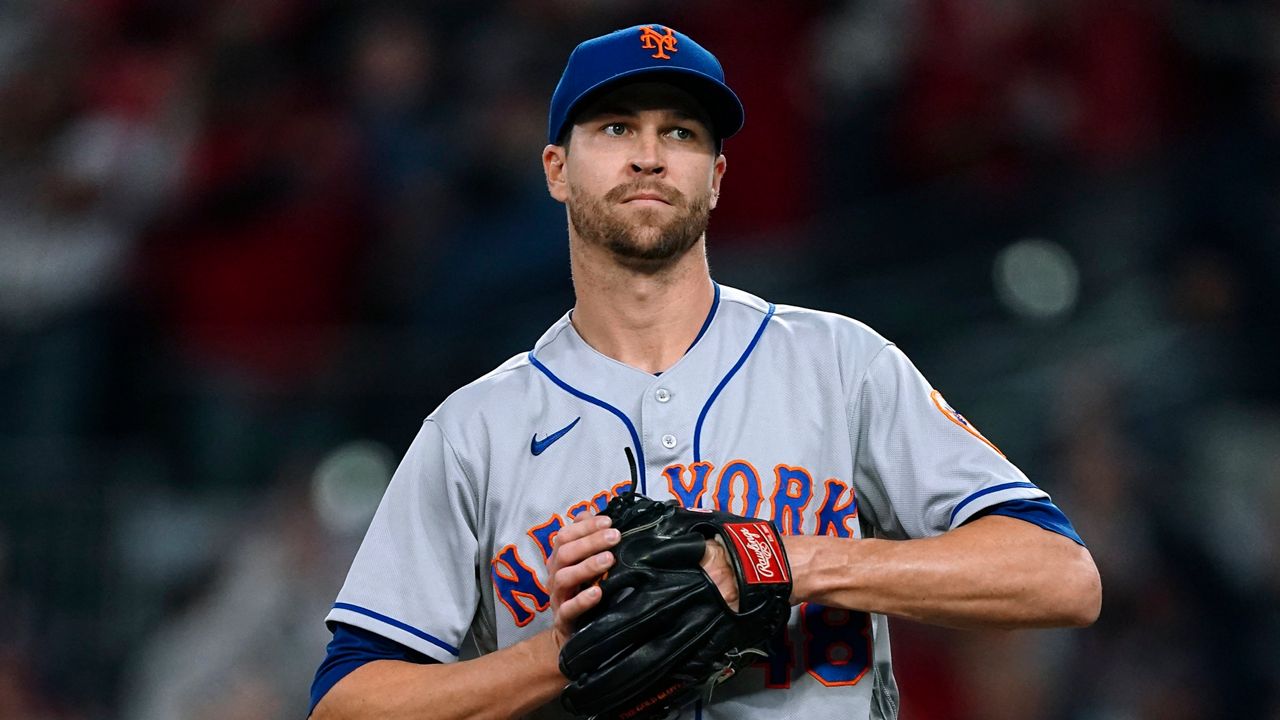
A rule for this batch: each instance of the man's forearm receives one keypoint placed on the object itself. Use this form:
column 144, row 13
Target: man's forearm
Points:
column 504, row 684
column 993, row 572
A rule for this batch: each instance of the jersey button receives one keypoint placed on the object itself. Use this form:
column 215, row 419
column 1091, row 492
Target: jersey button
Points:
column 668, row 441
column 662, row 395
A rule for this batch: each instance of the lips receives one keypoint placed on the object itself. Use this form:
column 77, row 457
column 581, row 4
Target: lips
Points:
column 648, row 192
column 647, row 196
column 650, row 196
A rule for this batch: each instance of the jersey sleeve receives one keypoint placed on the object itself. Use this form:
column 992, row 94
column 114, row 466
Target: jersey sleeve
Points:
column 1040, row 512
column 413, row 579
column 921, row 467
column 350, row 648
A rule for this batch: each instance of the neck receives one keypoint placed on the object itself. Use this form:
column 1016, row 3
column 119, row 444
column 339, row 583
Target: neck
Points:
column 646, row 320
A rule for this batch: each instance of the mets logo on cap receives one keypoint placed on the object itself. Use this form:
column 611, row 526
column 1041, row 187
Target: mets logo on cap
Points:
column 661, row 44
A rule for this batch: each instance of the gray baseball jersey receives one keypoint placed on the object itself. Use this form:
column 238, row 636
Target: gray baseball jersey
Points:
column 805, row 418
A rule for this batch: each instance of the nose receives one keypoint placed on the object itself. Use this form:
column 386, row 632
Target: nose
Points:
column 647, row 156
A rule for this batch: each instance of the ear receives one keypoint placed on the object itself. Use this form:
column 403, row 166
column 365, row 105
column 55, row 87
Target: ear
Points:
column 717, row 176
column 553, row 166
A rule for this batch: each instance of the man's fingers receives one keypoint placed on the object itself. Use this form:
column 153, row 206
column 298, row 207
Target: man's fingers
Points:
column 583, row 524
column 568, row 612
column 580, row 556
column 569, row 578
column 716, row 565
column 578, row 547
column 574, row 607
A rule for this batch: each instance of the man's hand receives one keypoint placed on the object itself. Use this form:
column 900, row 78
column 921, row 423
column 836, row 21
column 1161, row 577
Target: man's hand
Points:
column 677, row 615
column 581, row 555
column 715, row 563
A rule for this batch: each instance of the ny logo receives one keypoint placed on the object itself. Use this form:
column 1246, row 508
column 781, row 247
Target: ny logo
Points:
column 651, row 39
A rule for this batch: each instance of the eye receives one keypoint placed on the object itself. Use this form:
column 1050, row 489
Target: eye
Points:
column 615, row 129
column 682, row 133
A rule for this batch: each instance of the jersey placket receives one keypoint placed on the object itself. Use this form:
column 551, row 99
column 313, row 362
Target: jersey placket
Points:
column 666, row 413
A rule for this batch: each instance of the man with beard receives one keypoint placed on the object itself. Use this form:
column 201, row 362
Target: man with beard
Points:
column 486, row 548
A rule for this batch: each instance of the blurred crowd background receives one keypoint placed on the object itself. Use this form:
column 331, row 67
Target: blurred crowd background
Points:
column 247, row 245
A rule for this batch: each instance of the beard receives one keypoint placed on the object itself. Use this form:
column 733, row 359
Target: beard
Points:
column 643, row 242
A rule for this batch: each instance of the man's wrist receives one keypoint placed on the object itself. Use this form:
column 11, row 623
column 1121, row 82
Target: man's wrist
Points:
column 800, row 550
column 822, row 566
column 547, row 649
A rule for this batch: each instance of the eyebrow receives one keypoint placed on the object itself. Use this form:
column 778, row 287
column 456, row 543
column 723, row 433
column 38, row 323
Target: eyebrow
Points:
column 626, row 110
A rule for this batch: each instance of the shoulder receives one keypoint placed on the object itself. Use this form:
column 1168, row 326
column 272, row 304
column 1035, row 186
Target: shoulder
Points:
column 806, row 329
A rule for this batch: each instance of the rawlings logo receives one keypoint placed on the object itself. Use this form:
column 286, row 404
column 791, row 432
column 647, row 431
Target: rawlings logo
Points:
column 764, row 556
column 759, row 552
column 651, row 39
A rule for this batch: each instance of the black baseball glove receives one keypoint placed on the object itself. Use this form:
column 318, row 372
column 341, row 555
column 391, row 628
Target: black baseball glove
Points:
column 662, row 635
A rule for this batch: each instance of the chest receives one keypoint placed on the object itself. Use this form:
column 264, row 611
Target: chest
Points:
column 761, row 442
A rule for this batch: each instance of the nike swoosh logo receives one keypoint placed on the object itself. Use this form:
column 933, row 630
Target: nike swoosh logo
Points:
column 537, row 446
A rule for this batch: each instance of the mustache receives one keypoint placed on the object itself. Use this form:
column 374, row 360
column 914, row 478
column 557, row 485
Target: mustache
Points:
column 668, row 194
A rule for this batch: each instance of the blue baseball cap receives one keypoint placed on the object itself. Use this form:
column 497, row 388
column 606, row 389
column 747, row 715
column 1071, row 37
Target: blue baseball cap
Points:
column 644, row 52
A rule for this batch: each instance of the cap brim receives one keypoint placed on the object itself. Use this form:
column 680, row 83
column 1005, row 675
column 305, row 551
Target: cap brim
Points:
column 721, row 103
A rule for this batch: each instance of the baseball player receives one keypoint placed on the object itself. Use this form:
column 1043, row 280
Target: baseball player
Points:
column 485, row 547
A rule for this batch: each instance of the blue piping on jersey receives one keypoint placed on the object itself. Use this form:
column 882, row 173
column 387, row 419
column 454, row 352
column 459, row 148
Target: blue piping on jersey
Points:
column 715, row 303
column 635, row 437
column 697, row 430
column 397, row 624
column 987, row 491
